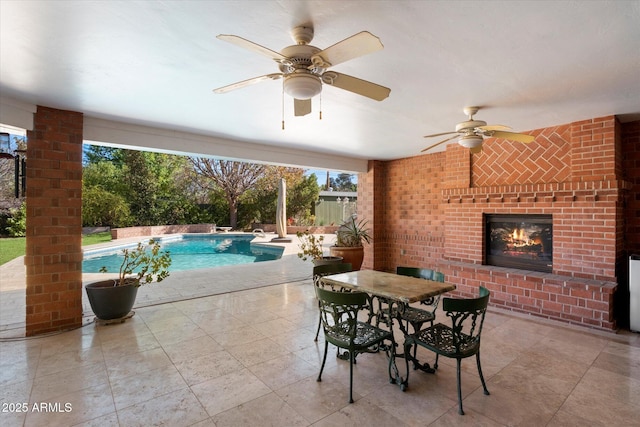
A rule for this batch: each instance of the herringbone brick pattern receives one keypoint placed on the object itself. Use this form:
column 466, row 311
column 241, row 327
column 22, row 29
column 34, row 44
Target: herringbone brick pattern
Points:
column 545, row 160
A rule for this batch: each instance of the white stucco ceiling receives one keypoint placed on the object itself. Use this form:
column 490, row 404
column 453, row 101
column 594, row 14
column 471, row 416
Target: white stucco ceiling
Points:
column 154, row 63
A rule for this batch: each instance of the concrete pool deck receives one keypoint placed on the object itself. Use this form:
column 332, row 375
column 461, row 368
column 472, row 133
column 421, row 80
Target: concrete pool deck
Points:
column 181, row 285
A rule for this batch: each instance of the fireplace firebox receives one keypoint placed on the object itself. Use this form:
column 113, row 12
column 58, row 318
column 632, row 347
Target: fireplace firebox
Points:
column 519, row 241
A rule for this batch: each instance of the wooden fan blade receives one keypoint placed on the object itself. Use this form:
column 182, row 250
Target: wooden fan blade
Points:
column 441, row 142
column 494, row 127
column 439, row 134
column 248, row 82
column 356, row 85
column 352, row 47
column 254, row 47
column 301, row 107
column 520, row 137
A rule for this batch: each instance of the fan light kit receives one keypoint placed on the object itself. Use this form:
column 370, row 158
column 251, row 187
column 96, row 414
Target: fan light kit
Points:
column 302, row 86
column 472, row 133
column 470, row 141
column 304, row 67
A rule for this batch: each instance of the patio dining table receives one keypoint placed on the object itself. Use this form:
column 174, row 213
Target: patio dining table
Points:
column 390, row 289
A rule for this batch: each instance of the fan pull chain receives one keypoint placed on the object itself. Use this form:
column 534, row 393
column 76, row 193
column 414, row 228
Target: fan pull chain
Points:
column 320, row 106
column 282, row 104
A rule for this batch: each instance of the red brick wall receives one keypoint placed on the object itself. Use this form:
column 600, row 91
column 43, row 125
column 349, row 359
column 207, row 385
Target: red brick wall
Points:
column 157, row 230
column 54, row 222
column 433, row 206
column 371, row 207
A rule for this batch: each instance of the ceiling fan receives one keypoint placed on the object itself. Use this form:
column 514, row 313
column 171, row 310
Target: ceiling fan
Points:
column 304, row 67
column 472, row 132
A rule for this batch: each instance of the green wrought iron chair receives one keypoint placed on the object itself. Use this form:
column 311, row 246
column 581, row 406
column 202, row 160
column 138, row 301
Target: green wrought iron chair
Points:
column 414, row 316
column 319, row 272
column 458, row 341
column 339, row 314
column 422, row 273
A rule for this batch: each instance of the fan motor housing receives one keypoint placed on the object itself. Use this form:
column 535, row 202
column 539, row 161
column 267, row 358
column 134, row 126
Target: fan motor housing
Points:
column 299, row 57
column 300, row 53
column 470, row 124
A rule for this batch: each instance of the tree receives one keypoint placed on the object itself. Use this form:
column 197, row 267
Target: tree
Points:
column 106, row 175
column 141, row 188
column 155, row 187
column 7, row 173
column 304, row 193
column 233, row 178
column 259, row 203
column 97, row 154
column 343, row 183
column 103, row 208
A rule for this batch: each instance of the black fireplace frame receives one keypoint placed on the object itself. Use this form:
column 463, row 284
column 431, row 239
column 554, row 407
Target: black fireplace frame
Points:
column 544, row 265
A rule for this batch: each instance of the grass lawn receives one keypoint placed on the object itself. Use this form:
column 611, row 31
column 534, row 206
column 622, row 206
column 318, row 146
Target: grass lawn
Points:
column 13, row 247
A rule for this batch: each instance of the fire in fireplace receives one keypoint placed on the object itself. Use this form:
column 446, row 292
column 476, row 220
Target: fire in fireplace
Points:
column 519, row 241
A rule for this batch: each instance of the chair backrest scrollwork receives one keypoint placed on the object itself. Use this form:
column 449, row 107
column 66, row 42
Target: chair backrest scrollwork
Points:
column 467, row 318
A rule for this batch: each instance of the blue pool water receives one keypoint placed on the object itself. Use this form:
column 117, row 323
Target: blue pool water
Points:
column 189, row 252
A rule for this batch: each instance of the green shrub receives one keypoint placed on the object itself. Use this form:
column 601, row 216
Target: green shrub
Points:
column 17, row 224
column 102, row 208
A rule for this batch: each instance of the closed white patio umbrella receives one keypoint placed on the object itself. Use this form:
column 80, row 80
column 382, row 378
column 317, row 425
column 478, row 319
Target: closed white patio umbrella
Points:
column 281, row 213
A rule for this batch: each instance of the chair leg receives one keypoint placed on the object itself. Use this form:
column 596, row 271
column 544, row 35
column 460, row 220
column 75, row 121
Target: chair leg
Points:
column 351, row 360
column 435, row 365
column 407, row 348
column 460, row 411
column 324, row 359
column 319, row 321
column 484, row 385
column 319, row 325
column 416, row 327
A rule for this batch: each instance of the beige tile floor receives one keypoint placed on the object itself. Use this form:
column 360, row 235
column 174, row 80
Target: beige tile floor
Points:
column 248, row 358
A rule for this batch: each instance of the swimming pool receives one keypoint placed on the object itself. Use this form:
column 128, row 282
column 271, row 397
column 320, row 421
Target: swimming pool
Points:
column 190, row 252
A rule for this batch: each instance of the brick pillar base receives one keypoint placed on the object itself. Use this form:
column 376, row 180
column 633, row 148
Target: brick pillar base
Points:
column 54, row 222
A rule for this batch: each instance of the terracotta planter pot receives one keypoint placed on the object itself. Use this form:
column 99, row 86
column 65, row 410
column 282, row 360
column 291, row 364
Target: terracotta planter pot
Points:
column 353, row 255
column 110, row 302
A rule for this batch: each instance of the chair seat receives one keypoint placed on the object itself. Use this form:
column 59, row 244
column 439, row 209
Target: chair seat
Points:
column 366, row 336
column 339, row 314
column 414, row 315
column 439, row 338
column 458, row 341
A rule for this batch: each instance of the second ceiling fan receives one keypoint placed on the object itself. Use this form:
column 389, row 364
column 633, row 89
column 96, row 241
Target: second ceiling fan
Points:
column 305, row 67
column 472, row 133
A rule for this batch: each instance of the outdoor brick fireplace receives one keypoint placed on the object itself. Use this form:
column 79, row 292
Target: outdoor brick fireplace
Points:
column 431, row 211
column 519, row 241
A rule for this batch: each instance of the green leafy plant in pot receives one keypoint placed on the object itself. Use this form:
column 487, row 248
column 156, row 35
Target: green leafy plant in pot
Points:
column 114, row 299
column 311, row 248
column 350, row 239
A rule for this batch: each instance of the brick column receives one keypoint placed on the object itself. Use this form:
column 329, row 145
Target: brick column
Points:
column 593, row 150
column 54, row 222
column 371, row 207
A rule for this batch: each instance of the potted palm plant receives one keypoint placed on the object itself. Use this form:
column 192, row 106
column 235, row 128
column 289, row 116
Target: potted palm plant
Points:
column 311, row 248
column 114, row 298
column 350, row 237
